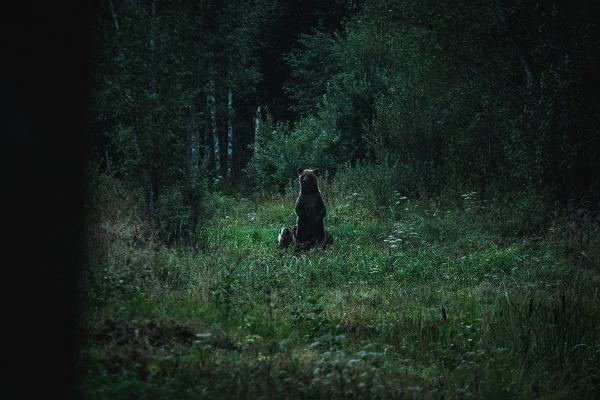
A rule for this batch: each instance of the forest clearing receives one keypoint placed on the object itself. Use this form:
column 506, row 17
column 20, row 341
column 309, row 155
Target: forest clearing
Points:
column 456, row 149
column 414, row 300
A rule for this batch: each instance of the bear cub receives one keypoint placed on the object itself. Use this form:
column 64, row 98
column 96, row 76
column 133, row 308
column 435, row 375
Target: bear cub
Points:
column 310, row 212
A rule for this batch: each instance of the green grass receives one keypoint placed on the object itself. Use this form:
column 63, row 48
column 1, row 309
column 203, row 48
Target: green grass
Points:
column 362, row 319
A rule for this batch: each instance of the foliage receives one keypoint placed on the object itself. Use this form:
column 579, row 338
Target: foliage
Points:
column 154, row 67
column 312, row 63
column 486, row 96
column 280, row 151
column 478, row 96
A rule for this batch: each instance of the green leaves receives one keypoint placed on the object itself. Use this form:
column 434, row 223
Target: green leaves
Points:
column 281, row 150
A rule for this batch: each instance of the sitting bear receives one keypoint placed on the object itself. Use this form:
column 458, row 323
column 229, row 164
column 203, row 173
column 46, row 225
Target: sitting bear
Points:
column 310, row 210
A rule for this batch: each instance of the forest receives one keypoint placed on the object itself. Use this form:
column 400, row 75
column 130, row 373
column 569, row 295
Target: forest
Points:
column 457, row 144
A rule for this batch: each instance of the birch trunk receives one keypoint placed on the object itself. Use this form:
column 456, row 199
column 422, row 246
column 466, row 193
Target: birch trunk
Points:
column 212, row 111
column 521, row 53
column 109, row 168
column 257, row 122
column 229, row 131
column 114, row 15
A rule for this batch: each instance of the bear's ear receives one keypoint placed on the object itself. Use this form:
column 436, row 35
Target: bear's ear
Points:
column 300, row 171
column 316, row 171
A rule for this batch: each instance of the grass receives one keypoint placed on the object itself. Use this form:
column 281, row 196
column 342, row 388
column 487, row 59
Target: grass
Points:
column 412, row 301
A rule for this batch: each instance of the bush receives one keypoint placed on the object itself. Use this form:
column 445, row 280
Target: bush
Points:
column 280, row 151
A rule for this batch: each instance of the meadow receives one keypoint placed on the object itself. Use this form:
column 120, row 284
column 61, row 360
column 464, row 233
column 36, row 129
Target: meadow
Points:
column 416, row 299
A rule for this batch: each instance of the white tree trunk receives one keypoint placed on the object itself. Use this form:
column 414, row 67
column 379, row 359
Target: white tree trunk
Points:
column 229, row 131
column 212, row 110
column 257, row 122
column 109, row 169
column 114, row 15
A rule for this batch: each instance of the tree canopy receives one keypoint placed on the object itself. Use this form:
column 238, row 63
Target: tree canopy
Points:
column 493, row 96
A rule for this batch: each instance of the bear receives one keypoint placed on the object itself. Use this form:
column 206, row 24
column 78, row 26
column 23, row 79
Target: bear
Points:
column 310, row 208
column 310, row 211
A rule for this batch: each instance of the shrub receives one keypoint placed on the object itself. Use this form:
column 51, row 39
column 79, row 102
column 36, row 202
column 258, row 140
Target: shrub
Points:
column 281, row 150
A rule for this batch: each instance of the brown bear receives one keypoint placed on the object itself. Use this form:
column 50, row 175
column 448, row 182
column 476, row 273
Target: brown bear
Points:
column 310, row 211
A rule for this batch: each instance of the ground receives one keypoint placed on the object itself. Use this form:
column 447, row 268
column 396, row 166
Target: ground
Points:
column 414, row 300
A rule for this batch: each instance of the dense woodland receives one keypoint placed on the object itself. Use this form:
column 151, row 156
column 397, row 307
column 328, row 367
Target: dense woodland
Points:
column 494, row 97
column 458, row 143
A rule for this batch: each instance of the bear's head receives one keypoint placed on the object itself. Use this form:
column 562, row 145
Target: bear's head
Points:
column 308, row 179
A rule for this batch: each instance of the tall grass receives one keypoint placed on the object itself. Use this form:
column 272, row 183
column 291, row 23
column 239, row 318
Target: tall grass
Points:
column 416, row 299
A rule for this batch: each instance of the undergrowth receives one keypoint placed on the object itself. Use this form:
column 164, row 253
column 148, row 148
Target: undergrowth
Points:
column 415, row 299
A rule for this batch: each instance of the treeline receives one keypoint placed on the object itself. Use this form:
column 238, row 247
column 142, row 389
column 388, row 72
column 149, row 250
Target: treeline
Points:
column 492, row 96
